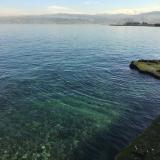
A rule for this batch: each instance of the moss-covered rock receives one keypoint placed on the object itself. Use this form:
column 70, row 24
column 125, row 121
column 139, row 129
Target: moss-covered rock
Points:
column 151, row 67
column 144, row 147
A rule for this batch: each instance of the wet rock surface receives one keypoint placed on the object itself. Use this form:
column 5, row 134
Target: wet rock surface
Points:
column 151, row 67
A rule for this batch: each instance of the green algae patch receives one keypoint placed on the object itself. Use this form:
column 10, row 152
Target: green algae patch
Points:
column 144, row 147
column 151, row 67
column 53, row 129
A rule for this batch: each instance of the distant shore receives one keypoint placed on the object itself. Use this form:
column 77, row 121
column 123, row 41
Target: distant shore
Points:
column 138, row 24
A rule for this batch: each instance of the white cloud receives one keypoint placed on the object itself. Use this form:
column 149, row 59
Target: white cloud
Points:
column 60, row 9
column 54, row 9
column 132, row 11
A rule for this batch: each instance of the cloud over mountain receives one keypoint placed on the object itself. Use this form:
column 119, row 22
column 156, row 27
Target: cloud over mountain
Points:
column 75, row 18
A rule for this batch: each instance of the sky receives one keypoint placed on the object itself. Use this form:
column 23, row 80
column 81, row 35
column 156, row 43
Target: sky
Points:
column 34, row 7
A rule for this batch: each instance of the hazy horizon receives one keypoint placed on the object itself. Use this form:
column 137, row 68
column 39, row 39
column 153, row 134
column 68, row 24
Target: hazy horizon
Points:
column 16, row 7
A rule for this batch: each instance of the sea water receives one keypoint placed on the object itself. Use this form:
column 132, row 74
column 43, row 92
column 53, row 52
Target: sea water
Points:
column 67, row 92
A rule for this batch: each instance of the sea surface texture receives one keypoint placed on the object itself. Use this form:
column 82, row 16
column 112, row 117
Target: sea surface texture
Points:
column 67, row 93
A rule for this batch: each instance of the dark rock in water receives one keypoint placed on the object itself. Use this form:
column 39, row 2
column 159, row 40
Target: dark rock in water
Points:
column 132, row 65
column 151, row 67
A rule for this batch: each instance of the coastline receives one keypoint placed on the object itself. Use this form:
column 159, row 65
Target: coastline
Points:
column 134, row 25
column 146, row 145
column 138, row 24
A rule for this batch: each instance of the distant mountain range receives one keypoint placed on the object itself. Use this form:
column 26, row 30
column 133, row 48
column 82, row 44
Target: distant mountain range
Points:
column 151, row 17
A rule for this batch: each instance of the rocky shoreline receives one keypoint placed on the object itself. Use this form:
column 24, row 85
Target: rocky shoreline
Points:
column 147, row 145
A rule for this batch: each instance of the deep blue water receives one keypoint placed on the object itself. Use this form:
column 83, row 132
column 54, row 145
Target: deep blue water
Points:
column 67, row 93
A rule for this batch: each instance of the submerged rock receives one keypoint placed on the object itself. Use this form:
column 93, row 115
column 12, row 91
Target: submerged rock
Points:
column 144, row 147
column 151, row 67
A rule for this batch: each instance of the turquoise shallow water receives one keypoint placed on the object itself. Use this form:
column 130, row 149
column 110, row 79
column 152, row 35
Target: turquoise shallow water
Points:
column 67, row 93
